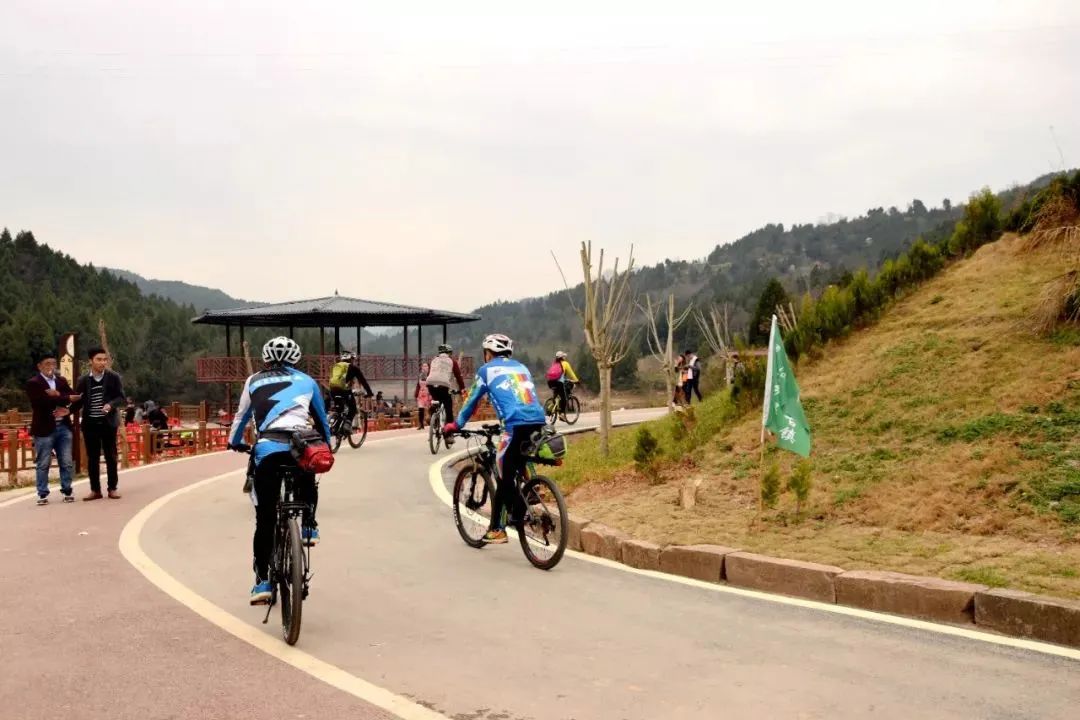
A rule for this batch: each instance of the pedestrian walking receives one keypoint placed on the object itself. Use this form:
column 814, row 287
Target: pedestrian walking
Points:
column 101, row 394
column 50, row 399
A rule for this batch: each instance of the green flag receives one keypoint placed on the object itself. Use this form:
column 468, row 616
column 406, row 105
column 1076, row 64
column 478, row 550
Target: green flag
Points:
column 783, row 414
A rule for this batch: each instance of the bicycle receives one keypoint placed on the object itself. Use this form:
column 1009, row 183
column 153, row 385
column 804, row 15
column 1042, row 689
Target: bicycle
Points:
column 290, row 560
column 355, row 431
column 436, row 423
column 570, row 414
column 543, row 530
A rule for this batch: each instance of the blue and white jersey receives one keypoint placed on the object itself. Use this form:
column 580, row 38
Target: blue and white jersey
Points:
column 282, row 398
column 510, row 387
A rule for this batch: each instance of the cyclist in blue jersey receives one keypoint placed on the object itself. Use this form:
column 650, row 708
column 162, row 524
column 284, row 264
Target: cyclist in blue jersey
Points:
column 281, row 399
column 509, row 386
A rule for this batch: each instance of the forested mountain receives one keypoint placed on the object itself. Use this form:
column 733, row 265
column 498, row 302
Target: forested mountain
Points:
column 199, row 297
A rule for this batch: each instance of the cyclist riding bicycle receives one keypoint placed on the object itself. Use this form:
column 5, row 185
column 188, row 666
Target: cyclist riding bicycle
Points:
column 281, row 399
column 342, row 376
column 442, row 371
column 509, row 384
column 559, row 376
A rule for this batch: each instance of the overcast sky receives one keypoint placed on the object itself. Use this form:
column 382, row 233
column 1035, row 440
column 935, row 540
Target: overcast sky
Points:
column 282, row 150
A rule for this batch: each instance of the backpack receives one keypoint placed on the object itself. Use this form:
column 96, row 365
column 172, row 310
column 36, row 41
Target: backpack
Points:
column 555, row 372
column 440, row 371
column 338, row 374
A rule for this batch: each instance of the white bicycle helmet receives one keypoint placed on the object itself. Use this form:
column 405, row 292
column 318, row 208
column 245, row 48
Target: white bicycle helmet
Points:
column 499, row 344
column 281, row 350
column 560, row 355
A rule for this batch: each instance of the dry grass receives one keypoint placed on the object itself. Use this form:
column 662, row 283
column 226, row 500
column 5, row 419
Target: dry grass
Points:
column 945, row 443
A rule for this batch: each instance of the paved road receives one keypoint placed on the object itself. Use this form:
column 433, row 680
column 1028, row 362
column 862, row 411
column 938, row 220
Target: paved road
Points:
column 400, row 601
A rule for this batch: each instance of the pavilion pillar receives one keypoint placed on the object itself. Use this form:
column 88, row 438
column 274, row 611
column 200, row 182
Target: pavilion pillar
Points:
column 419, row 346
column 358, row 336
column 322, row 341
column 228, row 384
column 291, row 334
column 405, row 365
column 444, row 333
column 337, row 340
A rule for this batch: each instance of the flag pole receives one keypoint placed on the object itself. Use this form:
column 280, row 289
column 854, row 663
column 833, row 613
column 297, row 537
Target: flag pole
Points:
column 767, row 400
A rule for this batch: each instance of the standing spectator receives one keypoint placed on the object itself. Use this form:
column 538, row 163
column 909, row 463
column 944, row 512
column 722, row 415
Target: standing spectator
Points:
column 157, row 417
column 693, row 376
column 50, row 395
column 100, row 394
column 422, row 395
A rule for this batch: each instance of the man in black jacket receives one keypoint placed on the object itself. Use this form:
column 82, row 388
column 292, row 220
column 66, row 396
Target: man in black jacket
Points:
column 50, row 395
column 101, row 394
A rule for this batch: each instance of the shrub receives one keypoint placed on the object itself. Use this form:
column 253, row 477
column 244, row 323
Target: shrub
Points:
column 770, row 486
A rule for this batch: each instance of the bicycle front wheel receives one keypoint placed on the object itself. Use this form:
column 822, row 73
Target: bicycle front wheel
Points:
column 359, row 429
column 474, row 493
column 573, row 410
column 550, row 410
column 291, row 582
column 544, row 531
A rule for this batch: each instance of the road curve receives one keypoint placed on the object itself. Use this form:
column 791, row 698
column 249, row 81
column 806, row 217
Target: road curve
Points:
column 399, row 602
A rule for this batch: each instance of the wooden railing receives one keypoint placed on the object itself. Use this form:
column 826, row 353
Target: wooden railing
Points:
column 141, row 444
column 374, row 367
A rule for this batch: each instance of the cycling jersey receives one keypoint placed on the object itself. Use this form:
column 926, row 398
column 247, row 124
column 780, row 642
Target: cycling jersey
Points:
column 509, row 386
column 280, row 399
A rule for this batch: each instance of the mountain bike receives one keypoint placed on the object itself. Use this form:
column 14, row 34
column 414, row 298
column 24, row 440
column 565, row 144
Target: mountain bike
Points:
column 554, row 410
column 341, row 426
column 290, row 560
column 435, row 424
column 543, row 530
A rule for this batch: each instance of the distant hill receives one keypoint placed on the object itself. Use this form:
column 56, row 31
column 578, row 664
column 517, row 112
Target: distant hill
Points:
column 199, row 297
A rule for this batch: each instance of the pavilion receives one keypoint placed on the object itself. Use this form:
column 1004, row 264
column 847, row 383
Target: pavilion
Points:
column 334, row 312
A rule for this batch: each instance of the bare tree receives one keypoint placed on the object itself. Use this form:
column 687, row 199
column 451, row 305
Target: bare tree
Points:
column 716, row 328
column 605, row 318
column 664, row 352
column 789, row 321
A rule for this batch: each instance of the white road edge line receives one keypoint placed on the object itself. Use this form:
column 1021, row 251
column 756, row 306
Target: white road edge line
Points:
column 439, row 488
column 131, row 549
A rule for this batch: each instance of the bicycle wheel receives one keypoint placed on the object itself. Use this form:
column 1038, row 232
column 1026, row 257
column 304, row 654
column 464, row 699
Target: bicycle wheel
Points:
column 549, row 410
column 434, row 435
column 291, row 582
column 573, row 410
column 543, row 532
column 473, row 495
column 359, row 429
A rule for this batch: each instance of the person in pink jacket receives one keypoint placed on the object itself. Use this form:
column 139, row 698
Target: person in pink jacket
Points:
column 422, row 395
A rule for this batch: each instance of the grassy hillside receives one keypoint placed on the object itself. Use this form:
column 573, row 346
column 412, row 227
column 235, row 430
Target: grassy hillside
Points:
column 945, row 444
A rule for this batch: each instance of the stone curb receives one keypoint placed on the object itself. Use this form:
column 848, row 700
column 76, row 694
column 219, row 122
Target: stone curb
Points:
column 1014, row 612
column 786, row 577
column 911, row 595
column 700, row 562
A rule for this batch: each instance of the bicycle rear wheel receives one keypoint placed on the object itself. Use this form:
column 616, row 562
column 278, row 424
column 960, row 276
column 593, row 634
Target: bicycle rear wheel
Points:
column 573, row 410
column 473, row 495
column 291, row 582
column 359, row 429
column 434, row 436
column 543, row 533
